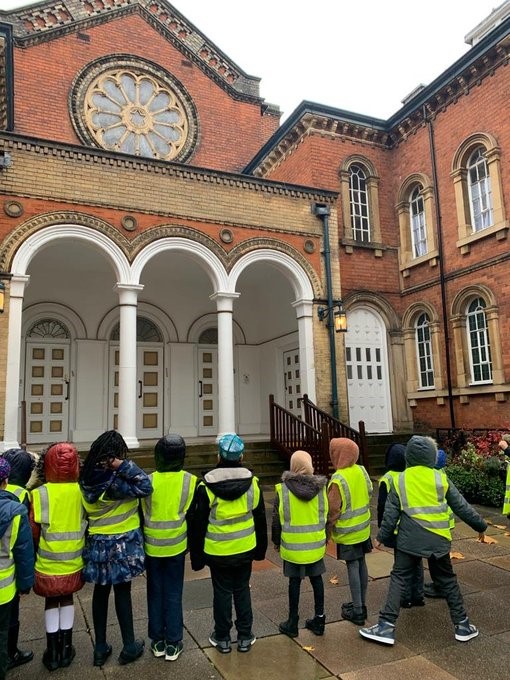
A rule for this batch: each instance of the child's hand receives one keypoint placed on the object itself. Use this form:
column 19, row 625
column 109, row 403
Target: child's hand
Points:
column 115, row 463
column 377, row 544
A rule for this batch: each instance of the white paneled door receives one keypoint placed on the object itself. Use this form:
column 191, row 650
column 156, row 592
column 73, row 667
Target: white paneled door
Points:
column 292, row 382
column 47, row 390
column 366, row 366
column 207, row 390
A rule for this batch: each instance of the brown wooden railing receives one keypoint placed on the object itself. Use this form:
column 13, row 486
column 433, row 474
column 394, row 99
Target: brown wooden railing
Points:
column 289, row 433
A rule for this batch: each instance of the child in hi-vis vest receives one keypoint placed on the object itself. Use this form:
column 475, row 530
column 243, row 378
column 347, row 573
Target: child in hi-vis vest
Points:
column 165, row 529
column 349, row 494
column 299, row 533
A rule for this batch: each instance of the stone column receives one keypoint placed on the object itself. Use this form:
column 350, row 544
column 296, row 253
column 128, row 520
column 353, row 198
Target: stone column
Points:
column 304, row 314
column 226, row 397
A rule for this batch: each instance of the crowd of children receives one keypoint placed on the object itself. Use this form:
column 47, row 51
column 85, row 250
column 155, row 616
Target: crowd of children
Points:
column 106, row 521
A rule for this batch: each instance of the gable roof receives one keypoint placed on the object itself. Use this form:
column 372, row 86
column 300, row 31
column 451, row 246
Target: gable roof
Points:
column 51, row 19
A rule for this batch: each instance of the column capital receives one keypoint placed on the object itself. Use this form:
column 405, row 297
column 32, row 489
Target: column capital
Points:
column 128, row 292
column 17, row 285
column 224, row 300
column 303, row 307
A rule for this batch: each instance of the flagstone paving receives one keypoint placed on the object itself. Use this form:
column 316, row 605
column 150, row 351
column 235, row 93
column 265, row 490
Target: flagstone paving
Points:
column 425, row 647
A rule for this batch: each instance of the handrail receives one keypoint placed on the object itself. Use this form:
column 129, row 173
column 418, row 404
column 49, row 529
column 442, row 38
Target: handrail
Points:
column 315, row 417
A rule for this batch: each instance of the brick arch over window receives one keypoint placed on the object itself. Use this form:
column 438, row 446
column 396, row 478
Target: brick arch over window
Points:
column 372, row 188
column 408, row 255
column 466, row 231
column 409, row 321
column 462, row 346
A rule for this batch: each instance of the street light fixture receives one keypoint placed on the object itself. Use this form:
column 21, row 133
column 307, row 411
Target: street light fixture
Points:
column 339, row 316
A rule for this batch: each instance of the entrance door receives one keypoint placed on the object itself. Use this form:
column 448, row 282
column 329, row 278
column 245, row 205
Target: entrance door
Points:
column 367, row 372
column 47, row 390
column 149, row 370
column 207, row 391
column 292, row 382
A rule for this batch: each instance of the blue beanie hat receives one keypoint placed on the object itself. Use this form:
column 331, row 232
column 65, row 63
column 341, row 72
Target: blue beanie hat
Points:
column 231, row 447
column 441, row 459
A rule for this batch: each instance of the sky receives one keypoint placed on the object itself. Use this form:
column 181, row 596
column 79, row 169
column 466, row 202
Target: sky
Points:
column 363, row 56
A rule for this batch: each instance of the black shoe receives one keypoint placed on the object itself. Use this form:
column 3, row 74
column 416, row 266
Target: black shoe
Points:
column 51, row 656
column 349, row 606
column 289, row 627
column 355, row 615
column 19, row 658
column 316, row 625
column 223, row 646
column 100, row 656
column 132, row 653
column 407, row 604
column 67, row 651
column 246, row 644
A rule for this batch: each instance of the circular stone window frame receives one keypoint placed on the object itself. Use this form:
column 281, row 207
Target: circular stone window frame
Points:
column 138, row 66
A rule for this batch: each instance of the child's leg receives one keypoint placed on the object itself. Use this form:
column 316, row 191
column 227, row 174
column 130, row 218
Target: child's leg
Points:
column 155, row 600
column 318, row 594
column 363, row 580
column 222, row 581
column 445, row 580
column 417, row 584
column 100, row 614
column 403, row 568
column 66, row 612
column 124, row 611
column 4, row 628
column 66, row 617
column 51, row 656
column 51, row 614
column 354, row 571
column 172, row 594
column 242, row 601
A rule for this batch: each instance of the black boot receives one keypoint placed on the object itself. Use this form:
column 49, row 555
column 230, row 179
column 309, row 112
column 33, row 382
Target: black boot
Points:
column 316, row 625
column 51, row 656
column 290, row 627
column 67, row 651
column 17, row 657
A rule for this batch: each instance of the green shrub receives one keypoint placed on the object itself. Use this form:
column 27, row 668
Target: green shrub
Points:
column 483, row 485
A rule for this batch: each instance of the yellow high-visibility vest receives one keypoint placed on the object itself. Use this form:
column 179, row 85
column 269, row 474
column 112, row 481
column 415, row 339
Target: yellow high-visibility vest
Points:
column 19, row 491
column 57, row 507
column 355, row 487
column 388, row 479
column 422, row 492
column 231, row 529
column 164, row 513
column 7, row 565
column 303, row 538
column 506, row 502
column 112, row 516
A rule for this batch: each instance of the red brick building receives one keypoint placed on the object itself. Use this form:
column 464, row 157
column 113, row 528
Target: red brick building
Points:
column 166, row 244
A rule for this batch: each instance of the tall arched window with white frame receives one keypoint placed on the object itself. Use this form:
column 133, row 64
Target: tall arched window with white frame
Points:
column 478, row 339
column 418, row 222
column 424, row 352
column 358, row 194
column 480, row 194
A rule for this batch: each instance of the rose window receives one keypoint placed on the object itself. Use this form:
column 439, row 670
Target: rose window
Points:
column 134, row 113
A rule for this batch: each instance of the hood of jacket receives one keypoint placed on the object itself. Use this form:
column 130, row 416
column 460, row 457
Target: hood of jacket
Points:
column 395, row 457
column 343, row 452
column 304, row 487
column 9, row 508
column 229, row 480
column 421, row 451
column 61, row 463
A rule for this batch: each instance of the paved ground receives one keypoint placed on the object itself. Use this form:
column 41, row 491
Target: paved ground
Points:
column 425, row 647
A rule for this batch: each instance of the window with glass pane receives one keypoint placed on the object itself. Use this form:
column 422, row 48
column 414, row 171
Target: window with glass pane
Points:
column 424, row 351
column 480, row 195
column 418, row 226
column 358, row 193
column 479, row 347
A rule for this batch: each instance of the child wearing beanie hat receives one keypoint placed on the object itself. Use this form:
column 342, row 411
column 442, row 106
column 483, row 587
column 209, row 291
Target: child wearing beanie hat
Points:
column 504, row 445
column 419, row 505
column 229, row 532
column 349, row 495
column 299, row 533
column 166, row 514
column 19, row 577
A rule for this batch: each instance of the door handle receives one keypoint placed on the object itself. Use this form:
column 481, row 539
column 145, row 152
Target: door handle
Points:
column 139, row 389
column 199, row 389
column 67, row 390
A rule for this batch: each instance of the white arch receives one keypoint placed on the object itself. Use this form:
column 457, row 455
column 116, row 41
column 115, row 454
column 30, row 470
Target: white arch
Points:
column 44, row 237
column 200, row 253
column 45, row 310
column 164, row 323
column 295, row 274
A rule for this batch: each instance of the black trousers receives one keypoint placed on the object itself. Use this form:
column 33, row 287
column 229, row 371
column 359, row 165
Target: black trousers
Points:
column 442, row 574
column 232, row 584
column 5, row 615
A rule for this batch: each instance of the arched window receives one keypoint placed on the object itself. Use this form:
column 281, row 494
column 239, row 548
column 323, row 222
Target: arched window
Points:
column 146, row 331
column 209, row 336
column 480, row 195
column 418, row 222
column 478, row 342
column 49, row 328
column 360, row 220
column 424, row 352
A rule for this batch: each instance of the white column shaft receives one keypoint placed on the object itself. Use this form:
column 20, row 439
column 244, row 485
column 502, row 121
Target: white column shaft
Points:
column 304, row 312
column 226, row 395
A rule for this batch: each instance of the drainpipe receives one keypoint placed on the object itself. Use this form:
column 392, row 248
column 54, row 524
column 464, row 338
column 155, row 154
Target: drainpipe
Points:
column 323, row 211
column 442, row 279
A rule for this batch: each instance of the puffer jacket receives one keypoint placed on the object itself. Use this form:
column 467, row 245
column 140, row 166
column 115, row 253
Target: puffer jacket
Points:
column 23, row 549
column 305, row 487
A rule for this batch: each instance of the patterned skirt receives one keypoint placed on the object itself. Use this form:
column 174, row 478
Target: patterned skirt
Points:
column 113, row 558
